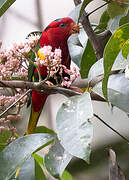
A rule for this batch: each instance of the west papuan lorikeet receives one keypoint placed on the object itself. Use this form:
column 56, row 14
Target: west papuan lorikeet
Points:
column 56, row 35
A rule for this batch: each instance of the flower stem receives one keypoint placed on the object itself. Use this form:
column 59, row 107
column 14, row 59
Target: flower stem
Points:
column 12, row 105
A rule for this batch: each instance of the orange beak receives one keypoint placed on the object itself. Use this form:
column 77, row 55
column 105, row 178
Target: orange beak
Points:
column 74, row 28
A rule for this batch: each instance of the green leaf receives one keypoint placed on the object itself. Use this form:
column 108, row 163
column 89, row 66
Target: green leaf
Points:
column 31, row 66
column 88, row 59
column 4, row 137
column 74, row 129
column 57, row 159
column 43, row 129
column 32, row 55
column 98, row 69
column 111, row 51
column 4, row 5
column 124, row 19
column 38, row 158
column 39, row 174
column 125, row 49
column 115, row 9
column 118, row 91
column 84, row 4
column 75, row 50
column 16, row 153
column 76, row 45
column 103, row 23
column 66, row 176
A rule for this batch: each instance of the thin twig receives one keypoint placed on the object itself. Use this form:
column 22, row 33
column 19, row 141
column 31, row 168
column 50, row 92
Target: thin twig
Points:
column 12, row 105
column 124, row 138
column 98, row 8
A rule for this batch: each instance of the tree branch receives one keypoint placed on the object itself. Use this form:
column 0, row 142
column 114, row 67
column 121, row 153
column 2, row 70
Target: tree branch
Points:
column 96, row 40
column 105, row 34
column 40, row 86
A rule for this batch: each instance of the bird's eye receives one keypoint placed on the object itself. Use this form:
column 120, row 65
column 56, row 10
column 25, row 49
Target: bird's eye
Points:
column 62, row 24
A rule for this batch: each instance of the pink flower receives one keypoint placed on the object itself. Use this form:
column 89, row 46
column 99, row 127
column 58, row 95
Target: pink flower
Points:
column 52, row 73
column 2, row 128
column 66, row 83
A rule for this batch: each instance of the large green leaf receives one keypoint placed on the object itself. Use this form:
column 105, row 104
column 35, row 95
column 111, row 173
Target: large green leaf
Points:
column 76, row 45
column 88, row 59
column 118, row 91
column 39, row 174
column 115, row 9
column 57, row 159
column 74, row 129
column 39, row 165
column 4, row 5
column 98, row 69
column 111, row 51
column 16, row 153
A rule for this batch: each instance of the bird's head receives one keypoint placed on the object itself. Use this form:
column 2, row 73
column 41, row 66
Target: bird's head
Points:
column 59, row 31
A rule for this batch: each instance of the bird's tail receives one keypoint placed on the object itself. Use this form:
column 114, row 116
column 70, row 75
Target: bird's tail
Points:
column 38, row 101
column 34, row 116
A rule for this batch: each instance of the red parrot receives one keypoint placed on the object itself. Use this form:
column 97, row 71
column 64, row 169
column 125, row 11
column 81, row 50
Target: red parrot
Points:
column 56, row 35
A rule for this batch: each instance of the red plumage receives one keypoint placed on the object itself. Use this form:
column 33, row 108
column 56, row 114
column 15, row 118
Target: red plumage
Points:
column 56, row 35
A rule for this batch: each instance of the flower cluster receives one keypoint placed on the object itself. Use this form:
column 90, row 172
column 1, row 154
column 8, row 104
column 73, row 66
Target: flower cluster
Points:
column 47, row 57
column 7, row 120
column 73, row 75
column 14, row 60
column 52, row 59
column 14, row 64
